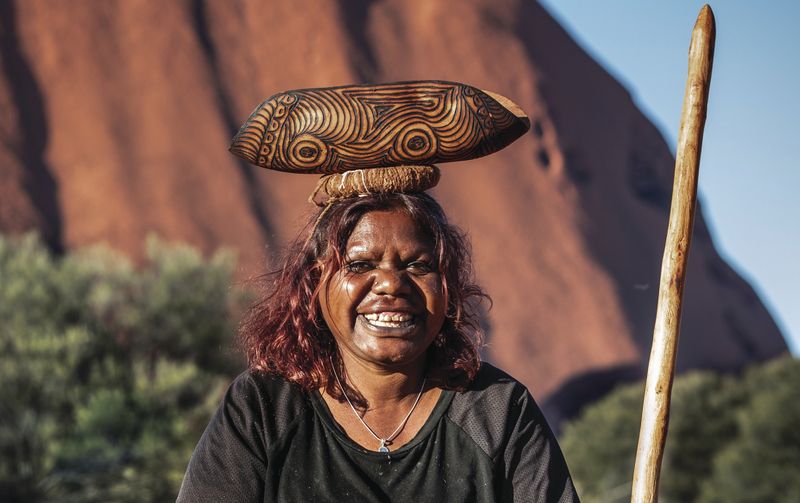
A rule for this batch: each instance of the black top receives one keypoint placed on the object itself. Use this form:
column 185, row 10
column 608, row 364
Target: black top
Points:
column 271, row 441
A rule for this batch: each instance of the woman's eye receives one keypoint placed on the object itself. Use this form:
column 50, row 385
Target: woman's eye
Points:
column 419, row 267
column 358, row 267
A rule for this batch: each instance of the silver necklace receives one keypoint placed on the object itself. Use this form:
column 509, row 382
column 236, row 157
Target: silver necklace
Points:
column 384, row 441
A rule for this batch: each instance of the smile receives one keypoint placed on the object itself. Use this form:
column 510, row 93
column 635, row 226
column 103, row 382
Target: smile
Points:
column 389, row 319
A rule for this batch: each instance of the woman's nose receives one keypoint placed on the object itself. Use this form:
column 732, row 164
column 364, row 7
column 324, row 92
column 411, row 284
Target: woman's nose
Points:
column 390, row 281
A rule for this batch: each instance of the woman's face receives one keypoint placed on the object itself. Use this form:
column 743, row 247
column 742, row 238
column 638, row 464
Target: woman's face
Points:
column 386, row 304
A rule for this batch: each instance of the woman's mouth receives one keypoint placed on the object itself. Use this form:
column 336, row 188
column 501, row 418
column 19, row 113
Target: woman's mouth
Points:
column 389, row 319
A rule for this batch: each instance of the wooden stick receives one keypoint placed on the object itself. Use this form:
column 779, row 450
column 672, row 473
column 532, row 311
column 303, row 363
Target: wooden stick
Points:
column 661, row 368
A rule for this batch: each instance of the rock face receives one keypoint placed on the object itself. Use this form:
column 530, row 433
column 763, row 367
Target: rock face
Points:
column 115, row 119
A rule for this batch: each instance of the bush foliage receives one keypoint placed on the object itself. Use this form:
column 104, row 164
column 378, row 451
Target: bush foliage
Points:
column 731, row 439
column 109, row 373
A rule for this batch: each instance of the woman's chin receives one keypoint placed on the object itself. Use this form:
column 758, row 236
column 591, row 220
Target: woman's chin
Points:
column 388, row 346
column 391, row 352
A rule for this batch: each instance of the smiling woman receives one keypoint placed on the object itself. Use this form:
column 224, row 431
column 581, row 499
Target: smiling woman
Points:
column 387, row 304
column 365, row 382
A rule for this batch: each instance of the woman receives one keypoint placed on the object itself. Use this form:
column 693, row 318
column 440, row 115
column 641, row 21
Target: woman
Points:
column 365, row 382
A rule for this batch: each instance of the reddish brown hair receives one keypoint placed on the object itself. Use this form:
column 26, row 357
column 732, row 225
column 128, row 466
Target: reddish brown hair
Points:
column 284, row 333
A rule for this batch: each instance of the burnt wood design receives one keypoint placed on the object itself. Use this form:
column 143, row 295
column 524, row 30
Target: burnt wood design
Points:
column 333, row 130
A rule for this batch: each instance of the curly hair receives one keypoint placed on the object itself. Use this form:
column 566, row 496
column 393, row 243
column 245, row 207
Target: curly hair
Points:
column 284, row 333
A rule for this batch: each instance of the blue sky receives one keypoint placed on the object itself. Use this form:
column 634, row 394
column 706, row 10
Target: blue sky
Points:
column 749, row 176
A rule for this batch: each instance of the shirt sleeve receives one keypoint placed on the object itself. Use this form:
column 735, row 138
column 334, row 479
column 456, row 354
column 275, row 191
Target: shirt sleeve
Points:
column 533, row 460
column 229, row 462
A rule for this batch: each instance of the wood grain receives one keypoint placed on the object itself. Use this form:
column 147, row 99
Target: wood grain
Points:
column 337, row 129
column 661, row 367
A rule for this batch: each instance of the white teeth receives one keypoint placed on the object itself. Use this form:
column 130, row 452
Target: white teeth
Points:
column 388, row 316
column 388, row 319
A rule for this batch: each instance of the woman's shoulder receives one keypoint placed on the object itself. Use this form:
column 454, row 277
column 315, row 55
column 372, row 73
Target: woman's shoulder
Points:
column 492, row 406
column 257, row 413
column 260, row 397
column 253, row 383
column 494, row 382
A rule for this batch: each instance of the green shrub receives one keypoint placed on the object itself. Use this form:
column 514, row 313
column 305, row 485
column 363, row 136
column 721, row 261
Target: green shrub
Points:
column 763, row 462
column 109, row 372
column 730, row 439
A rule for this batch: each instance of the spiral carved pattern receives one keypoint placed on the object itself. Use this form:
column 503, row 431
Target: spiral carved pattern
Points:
column 338, row 129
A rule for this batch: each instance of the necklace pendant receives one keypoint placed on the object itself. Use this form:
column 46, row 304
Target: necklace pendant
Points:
column 383, row 447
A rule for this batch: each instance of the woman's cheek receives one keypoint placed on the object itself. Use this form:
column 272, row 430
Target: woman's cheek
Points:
column 437, row 300
column 355, row 288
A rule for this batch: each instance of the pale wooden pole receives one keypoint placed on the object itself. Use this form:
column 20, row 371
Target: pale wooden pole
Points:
column 661, row 368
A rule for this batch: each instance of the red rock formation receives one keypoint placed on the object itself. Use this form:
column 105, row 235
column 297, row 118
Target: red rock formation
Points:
column 115, row 119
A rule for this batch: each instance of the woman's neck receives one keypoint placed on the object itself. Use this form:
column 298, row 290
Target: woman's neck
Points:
column 398, row 402
column 381, row 386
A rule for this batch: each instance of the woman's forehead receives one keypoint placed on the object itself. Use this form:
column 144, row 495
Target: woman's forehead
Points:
column 394, row 228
